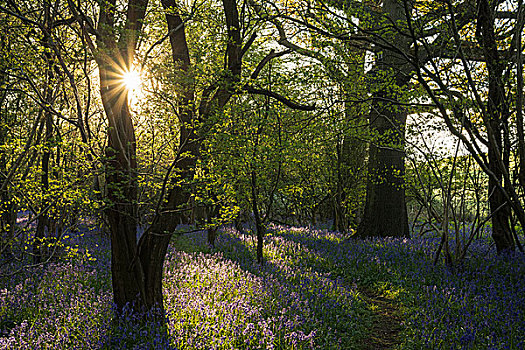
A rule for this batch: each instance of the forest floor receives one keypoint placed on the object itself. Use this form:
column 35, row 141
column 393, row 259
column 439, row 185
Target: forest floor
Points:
column 317, row 290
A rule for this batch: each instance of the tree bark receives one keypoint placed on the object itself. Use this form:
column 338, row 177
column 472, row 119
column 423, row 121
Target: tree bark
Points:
column 189, row 142
column 121, row 181
column 259, row 228
column 43, row 228
column 7, row 205
column 497, row 123
column 113, row 58
column 385, row 212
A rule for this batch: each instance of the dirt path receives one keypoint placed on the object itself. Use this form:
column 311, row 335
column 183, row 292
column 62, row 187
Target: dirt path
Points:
column 386, row 328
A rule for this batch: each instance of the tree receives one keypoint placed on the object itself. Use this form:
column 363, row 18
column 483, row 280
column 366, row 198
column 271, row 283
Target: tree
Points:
column 114, row 55
column 45, row 225
column 385, row 208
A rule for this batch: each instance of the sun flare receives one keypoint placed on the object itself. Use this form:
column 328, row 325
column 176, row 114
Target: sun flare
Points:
column 131, row 80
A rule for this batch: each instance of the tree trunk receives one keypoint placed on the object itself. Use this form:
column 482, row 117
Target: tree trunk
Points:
column 339, row 212
column 385, row 211
column 43, row 228
column 497, row 123
column 152, row 249
column 121, row 180
column 137, row 269
column 212, row 211
column 153, row 244
column 189, row 142
column 385, row 208
column 44, row 220
column 114, row 57
column 7, row 205
column 259, row 228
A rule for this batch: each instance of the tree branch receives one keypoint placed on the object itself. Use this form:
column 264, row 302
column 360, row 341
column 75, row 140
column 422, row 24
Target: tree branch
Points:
column 252, row 90
column 267, row 59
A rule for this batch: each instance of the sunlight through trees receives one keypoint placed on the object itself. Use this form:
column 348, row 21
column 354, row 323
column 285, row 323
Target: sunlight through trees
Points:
column 298, row 139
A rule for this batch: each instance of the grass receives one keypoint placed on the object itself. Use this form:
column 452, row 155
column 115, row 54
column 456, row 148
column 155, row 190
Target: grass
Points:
column 317, row 290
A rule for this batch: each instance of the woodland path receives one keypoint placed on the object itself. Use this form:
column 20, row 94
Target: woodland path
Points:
column 386, row 327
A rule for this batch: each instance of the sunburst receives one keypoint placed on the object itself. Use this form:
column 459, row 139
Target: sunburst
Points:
column 131, row 80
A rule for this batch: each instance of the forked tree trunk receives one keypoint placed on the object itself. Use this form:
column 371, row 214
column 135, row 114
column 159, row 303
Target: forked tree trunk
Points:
column 153, row 244
column 137, row 268
column 113, row 58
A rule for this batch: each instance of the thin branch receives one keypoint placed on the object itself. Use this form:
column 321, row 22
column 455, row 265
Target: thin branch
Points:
column 278, row 97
